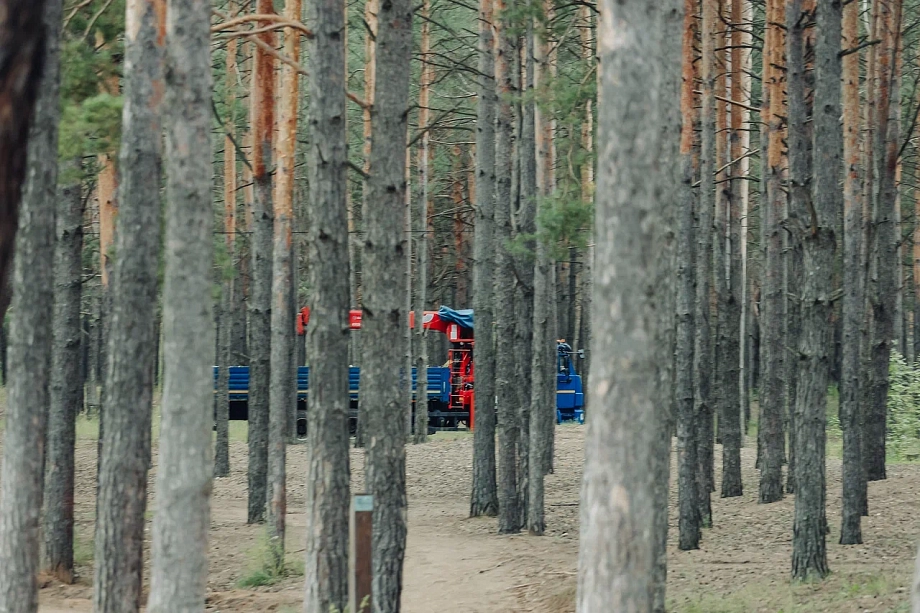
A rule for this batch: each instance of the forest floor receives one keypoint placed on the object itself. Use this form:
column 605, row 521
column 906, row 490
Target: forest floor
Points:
column 458, row 565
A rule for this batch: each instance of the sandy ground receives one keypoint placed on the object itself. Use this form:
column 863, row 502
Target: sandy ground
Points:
column 458, row 565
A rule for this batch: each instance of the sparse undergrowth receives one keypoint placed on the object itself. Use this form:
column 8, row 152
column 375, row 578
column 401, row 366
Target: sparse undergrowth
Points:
column 265, row 569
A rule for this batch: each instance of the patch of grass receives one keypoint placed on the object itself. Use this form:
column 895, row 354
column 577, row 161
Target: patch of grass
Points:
column 265, row 569
column 87, row 427
column 83, row 547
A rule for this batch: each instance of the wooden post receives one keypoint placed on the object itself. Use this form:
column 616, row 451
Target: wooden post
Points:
column 360, row 526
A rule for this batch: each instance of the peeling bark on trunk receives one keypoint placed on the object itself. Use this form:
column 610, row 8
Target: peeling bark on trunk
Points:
column 262, row 100
column 854, row 478
column 772, row 395
column 184, row 476
column 617, row 542
column 385, row 382
column 327, row 491
column 484, row 497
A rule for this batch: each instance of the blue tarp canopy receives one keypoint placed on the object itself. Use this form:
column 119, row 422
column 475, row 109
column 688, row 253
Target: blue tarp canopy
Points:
column 463, row 318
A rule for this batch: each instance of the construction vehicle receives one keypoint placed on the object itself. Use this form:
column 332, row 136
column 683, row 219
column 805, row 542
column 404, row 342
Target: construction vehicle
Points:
column 450, row 391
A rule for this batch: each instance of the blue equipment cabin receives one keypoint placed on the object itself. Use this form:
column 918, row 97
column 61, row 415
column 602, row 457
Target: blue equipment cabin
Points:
column 570, row 397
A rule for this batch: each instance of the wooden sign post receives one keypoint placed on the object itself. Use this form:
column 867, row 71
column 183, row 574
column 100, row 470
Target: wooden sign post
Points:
column 360, row 527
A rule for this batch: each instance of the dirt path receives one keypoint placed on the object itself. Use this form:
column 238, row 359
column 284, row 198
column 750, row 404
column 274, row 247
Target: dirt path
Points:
column 458, row 565
column 453, row 564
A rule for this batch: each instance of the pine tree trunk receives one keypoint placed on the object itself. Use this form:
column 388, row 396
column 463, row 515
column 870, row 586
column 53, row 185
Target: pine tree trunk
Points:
column 854, row 478
column 384, row 313
column 702, row 346
column 184, row 476
column 230, row 287
column 131, row 354
column 508, row 515
column 730, row 422
column 815, row 225
column 28, row 143
column 544, row 131
column 260, row 301
column 669, row 113
column 371, row 9
column 772, row 394
column 66, row 398
column 484, row 497
column 283, row 374
column 222, row 412
column 801, row 84
column 687, row 462
column 617, row 549
column 883, row 280
column 524, row 229
column 327, row 492
column 424, row 157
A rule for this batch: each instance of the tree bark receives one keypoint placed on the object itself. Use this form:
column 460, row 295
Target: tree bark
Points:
column 669, row 112
column 730, row 426
column 28, row 160
column 131, row 354
column 702, row 345
column 801, row 83
column 327, row 495
column 424, row 157
column 772, row 394
column 617, row 549
column 23, row 32
column 484, row 497
column 525, row 227
column 687, row 462
column 882, row 288
column 184, row 476
column 503, row 294
column 262, row 100
column 371, row 9
column 66, row 382
column 815, row 225
column 384, row 313
column 854, row 478
column 283, row 375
